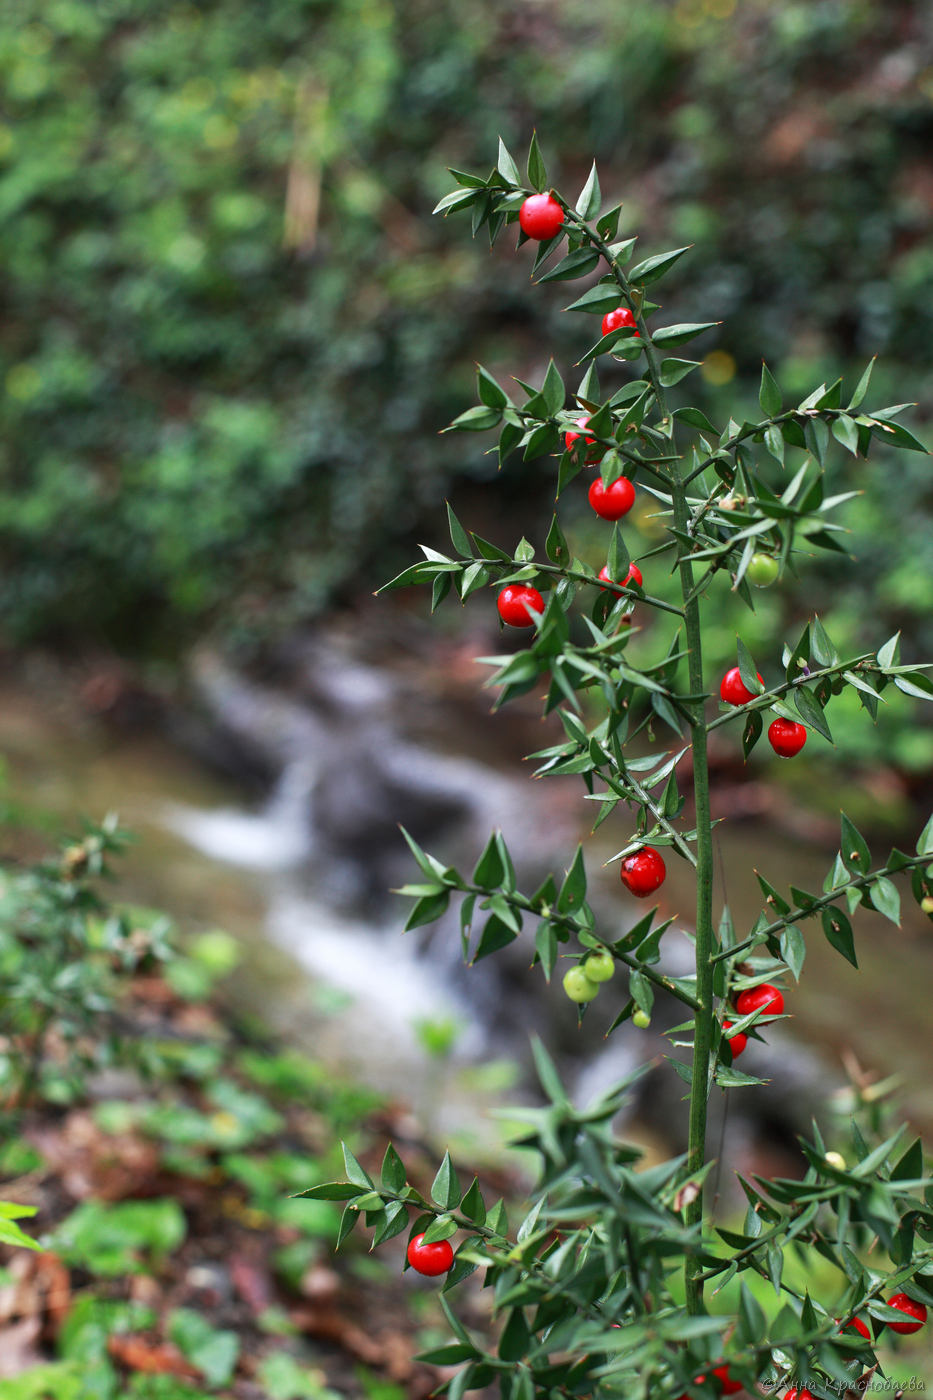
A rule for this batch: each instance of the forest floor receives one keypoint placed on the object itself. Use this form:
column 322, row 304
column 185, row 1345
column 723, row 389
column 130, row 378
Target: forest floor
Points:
column 176, row 1262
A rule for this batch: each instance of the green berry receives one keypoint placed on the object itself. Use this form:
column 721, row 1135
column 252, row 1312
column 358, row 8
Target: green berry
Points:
column 600, row 966
column 642, row 1020
column 578, row 986
column 762, row 570
column 926, row 904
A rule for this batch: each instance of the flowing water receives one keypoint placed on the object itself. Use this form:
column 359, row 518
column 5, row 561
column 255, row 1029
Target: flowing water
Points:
column 300, row 878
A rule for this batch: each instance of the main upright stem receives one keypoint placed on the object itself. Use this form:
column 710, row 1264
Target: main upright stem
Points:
column 703, row 1017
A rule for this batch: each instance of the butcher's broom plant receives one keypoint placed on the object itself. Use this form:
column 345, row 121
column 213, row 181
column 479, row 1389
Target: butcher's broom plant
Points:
column 617, row 1281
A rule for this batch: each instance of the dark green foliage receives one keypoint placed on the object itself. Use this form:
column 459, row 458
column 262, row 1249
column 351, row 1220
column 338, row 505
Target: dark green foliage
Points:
column 229, row 335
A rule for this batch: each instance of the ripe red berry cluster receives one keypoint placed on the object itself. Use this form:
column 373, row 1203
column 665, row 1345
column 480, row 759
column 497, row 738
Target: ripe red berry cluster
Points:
column 785, row 736
column 541, row 217
column 726, row 1385
column 765, row 997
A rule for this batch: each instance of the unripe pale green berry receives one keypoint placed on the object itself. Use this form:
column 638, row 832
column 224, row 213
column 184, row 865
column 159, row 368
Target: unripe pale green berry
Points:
column 926, row 904
column 578, row 986
column 600, row 966
column 642, row 1020
column 835, row 1159
column 762, row 570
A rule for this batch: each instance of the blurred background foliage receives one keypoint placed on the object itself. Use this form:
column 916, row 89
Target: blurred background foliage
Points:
column 231, row 330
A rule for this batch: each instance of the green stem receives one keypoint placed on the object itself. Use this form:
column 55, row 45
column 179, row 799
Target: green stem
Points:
column 703, row 1017
column 522, row 903
column 793, row 916
column 648, row 802
column 762, row 701
column 619, row 589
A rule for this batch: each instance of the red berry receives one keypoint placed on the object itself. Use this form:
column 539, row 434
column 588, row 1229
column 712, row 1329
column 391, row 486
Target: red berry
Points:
column 643, row 871
column 633, row 575
column 618, row 320
column 856, row 1324
column 728, row 1385
column 786, row 737
column 540, row 216
column 612, row 501
column 912, row 1309
column 765, row 997
column 738, row 1042
column 430, row 1259
column 734, row 690
column 801, row 1394
column 570, row 438
column 514, row 602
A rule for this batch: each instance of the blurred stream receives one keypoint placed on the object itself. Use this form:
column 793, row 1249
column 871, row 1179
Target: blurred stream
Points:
column 300, row 877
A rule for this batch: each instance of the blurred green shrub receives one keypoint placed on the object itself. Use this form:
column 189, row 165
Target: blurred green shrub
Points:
column 230, row 331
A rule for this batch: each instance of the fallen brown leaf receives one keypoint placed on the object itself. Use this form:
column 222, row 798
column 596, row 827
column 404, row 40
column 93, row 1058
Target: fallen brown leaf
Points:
column 155, row 1358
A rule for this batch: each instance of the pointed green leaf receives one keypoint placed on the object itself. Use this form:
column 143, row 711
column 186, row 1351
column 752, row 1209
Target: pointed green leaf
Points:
column 590, row 197
column 332, row 1191
column 747, row 668
column 506, row 165
column 552, row 390
column 427, row 909
column 445, row 1190
column 458, row 536
column 751, row 732
column 653, row 268
column 355, row 1172
column 577, row 263
column 440, row 1229
column 394, row 1176
column 473, row 1206
column 573, row 890
column 925, row 840
column 769, row 395
column 824, row 653
column 889, row 654
column 886, row 898
column 673, row 371
column 810, row 711
column 475, row 420
column 696, row 418
column 597, row 300
column 456, row 199
column 686, row 330
column 546, row 947
column 490, row 393
column 495, row 935
column 920, row 688
column 862, row 387
column 489, row 868
column 846, row 432
column 853, row 848
column 838, row 933
column 774, row 441
column 348, row 1221
column 537, row 172
column 555, row 545
column 793, row 949
column 551, row 1084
